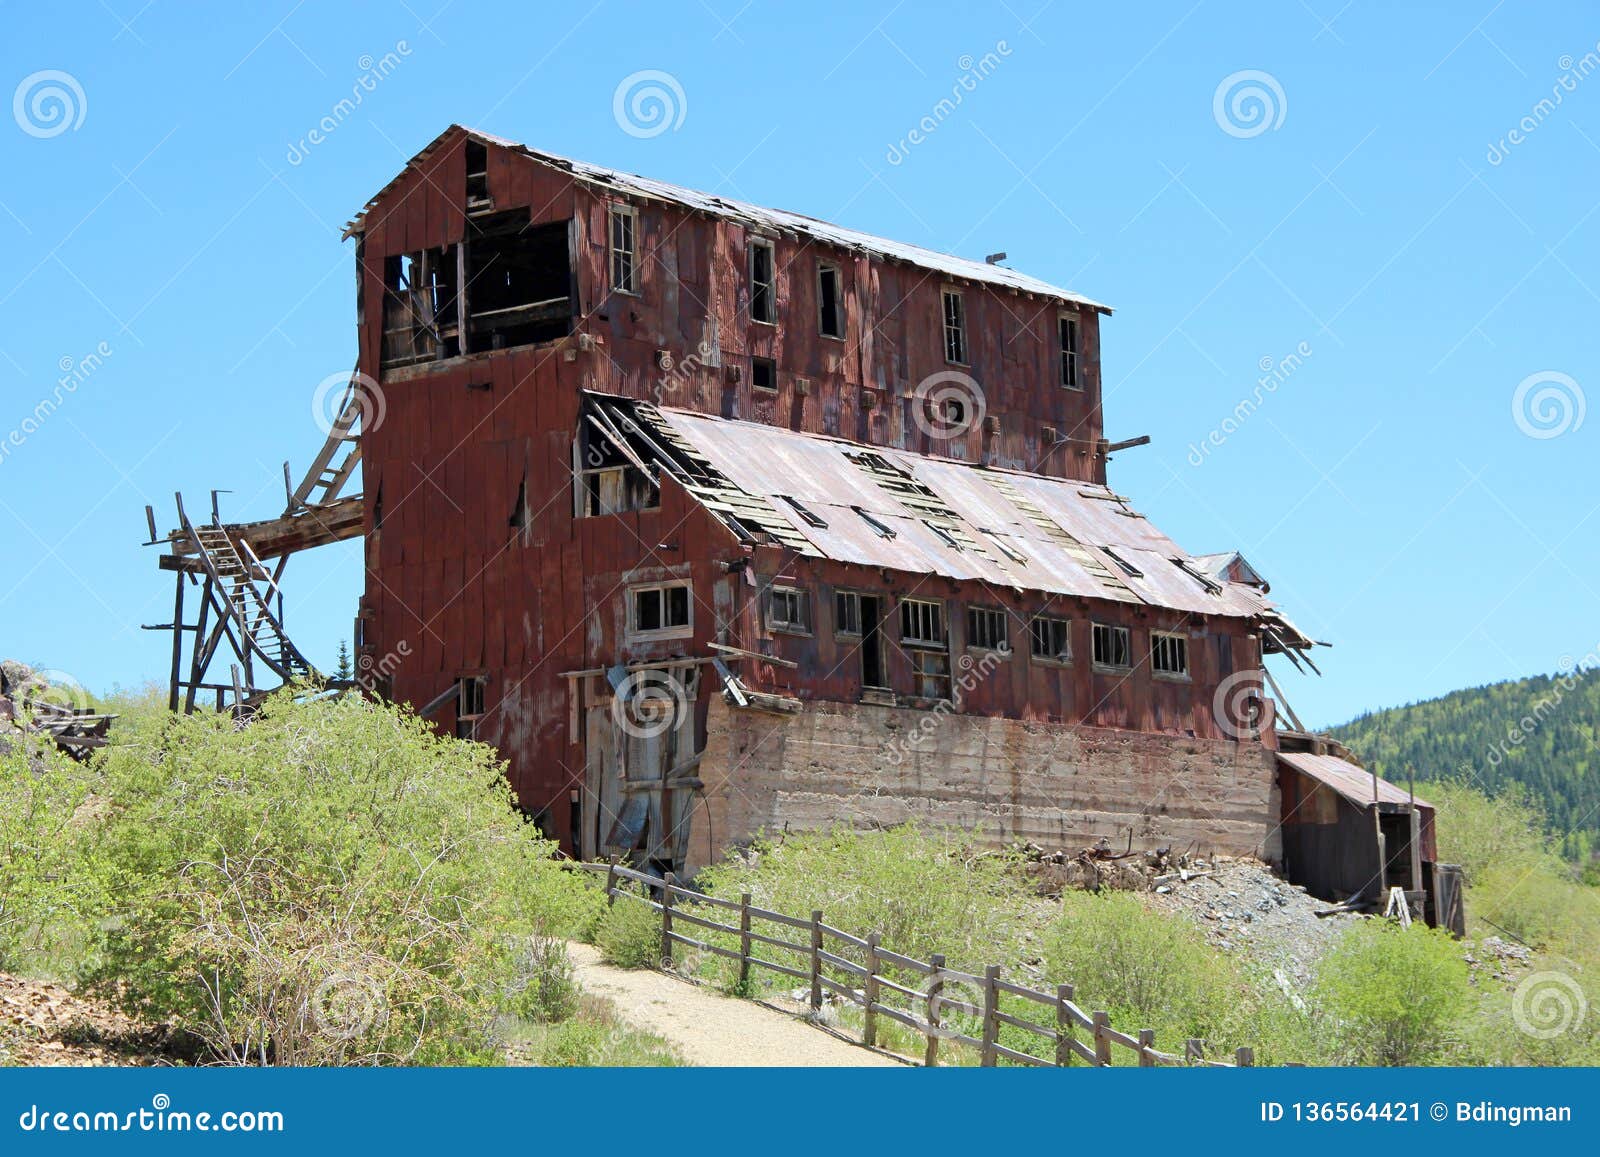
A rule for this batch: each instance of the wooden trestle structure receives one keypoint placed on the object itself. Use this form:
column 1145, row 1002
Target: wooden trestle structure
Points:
column 238, row 568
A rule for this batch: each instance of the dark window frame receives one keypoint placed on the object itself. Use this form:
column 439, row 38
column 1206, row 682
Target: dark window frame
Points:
column 953, row 315
column 1041, row 633
column 800, row 600
column 664, row 609
column 830, row 318
column 1109, row 639
column 981, row 633
column 763, row 291
column 1169, row 655
column 624, row 262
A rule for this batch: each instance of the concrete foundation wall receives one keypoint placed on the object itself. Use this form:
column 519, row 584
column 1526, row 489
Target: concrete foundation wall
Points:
column 1061, row 786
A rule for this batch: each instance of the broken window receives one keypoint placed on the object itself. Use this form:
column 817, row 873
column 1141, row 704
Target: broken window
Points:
column 921, row 623
column 883, row 529
column 1052, row 639
column 922, row 634
column 955, row 327
column 477, row 176
column 987, row 629
column 1069, row 353
column 610, row 474
column 419, row 307
column 624, row 230
column 519, row 281
column 846, row 613
column 763, row 374
column 469, row 705
column 811, row 517
column 789, row 609
column 1169, row 654
column 1113, row 647
column 660, row 609
column 829, row 307
column 763, row 282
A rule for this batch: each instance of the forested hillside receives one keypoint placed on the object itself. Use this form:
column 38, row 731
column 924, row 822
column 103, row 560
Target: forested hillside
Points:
column 1539, row 732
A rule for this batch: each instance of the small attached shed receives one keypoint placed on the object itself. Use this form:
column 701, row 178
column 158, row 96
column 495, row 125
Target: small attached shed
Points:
column 1351, row 836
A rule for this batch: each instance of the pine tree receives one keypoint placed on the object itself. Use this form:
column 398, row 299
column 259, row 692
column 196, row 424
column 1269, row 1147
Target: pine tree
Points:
column 343, row 670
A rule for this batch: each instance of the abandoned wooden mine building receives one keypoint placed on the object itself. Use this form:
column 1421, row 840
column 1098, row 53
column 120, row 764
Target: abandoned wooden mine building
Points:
column 715, row 518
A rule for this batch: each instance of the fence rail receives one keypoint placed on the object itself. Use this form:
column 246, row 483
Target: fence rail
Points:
column 864, row 983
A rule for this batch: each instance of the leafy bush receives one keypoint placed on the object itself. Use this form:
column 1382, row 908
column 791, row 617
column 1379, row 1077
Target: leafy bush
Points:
column 1393, row 996
column 546, row 987
column 1149, row 969
column 42, row 886
column 629, row 934
column 923, row 890
column 334, row 883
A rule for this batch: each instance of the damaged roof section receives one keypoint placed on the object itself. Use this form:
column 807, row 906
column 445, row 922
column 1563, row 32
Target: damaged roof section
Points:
column 875, row 506
column 755, row 217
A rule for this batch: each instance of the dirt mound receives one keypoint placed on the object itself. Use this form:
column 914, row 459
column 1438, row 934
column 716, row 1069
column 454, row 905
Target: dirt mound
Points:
column 44, row 1024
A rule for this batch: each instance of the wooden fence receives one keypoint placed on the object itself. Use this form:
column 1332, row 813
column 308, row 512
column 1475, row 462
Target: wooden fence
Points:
column 877, row 977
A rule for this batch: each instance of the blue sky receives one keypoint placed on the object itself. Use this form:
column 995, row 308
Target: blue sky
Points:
column 1376, row 220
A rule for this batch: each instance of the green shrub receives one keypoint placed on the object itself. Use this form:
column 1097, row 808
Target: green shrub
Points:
column 43, row 886
column 332, row 884
column 546, row 980
column 1393, row 996
column 1149, row 969
column 629, row 934
column 923, row 890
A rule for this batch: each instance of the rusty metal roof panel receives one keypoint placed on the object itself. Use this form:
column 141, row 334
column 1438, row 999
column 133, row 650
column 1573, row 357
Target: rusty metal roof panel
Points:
column 760, row 218
column 1352, row 782
column 1074, row 540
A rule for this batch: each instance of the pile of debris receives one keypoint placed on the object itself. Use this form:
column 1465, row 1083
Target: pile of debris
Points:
column 53, row 708
column 1094, row 869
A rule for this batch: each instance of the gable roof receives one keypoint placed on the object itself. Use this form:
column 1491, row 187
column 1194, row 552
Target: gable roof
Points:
column 751, row 216
column 882, row 507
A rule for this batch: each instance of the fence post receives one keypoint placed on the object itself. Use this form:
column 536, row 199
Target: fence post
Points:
column 1245, row 1057
column 744, row 942
column 611, row 882
column 816, row 961
column 1147, row 1041
column 930, row 1056
column 1194, row 1050
column 666, row 920
column 1102, row 1042
column 1064, row 1033
column 869, row 1029
column 991, row 1015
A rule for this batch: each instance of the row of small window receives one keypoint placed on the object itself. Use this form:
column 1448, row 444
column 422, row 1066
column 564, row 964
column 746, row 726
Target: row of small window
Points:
column 922, row 624
column 830, row 300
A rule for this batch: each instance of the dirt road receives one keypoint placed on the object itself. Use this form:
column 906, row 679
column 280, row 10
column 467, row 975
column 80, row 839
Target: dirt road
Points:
column 708, row 1028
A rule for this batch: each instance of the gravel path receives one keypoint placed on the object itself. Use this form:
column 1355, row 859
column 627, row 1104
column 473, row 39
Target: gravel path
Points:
column 708, row 1028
